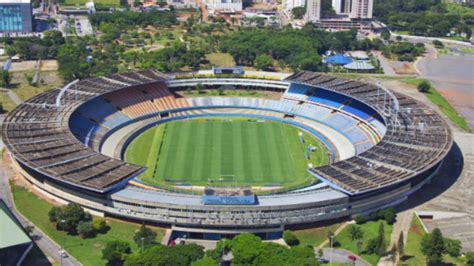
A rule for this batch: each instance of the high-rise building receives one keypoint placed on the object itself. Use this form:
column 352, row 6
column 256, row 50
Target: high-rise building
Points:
column 313, row 10
column 361, row 9
column 15, row 16
column 290, row 4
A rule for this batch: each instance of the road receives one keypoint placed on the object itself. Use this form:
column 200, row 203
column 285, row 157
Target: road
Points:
column 452, row 74
column 48, row 246
column 341, row 256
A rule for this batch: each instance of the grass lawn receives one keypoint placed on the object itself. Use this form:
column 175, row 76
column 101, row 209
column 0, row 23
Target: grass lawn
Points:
column 7, row 103
column 25, row 91
column 370, row 230
column 87, row 251
column 221, row 59
column 225, row 93
column 467, row 49
column 226, row 150
column 315, row 236
column 413, row 255
column 436, row 98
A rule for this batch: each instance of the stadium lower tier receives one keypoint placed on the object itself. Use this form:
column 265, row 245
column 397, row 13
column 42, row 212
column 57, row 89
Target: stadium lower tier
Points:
column 65, row 142
column 308, row 206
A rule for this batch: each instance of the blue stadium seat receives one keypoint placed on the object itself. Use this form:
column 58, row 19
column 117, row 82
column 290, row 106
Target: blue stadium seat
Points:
column 329, row 98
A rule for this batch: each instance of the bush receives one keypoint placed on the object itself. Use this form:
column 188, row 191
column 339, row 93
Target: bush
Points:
column 424, row 86
column 55, row 214
column 100, row 225
column 116, row 252
column 470, row 258
column 290, row 238
column 438, row 44
column 144, row 236
column 453, row 247
column 85, row 229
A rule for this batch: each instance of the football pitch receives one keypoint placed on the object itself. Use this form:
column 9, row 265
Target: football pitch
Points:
column 225, row 151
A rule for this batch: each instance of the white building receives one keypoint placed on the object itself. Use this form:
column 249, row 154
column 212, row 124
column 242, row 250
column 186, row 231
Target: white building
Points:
column 361, row 9
column 290, row 4
column 313, row 11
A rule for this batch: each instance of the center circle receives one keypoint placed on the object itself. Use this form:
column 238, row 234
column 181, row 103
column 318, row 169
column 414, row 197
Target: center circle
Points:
column 227, row 150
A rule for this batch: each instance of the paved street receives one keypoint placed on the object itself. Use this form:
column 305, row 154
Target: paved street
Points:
column 44, row 243
column 341, row 256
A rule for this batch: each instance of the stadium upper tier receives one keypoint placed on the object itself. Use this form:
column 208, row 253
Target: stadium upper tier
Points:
column 57, row 134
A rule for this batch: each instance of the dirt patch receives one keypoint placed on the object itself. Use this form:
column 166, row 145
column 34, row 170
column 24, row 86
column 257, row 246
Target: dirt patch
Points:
column 49, row 65
column 24, row 65
column 403, row 68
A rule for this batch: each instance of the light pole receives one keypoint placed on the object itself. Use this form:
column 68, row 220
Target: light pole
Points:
column 61, row 222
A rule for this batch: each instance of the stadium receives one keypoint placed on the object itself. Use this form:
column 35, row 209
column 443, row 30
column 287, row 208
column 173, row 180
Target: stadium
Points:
column 131, row 146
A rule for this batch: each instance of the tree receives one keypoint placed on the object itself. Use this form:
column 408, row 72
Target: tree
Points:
column 206, row 261
column 453, row 247
column 199, row 87
column 298, row 12
column 144, row 236
column 433, row 247
column 263, row 62
column 115, row 252
column 388, row 215
column 381, row 240
column 385, row 35
column 73, row 213
column 85, row 229
column 245, row 248
column 55, row 214
column 355, row 232
column 438, row 44
column 320, row 252
column 360, row 219
column 424, row 86
column 100, row 225
column 371, row 247
column 401, row 245
column 470, row 258
column 6, row 78
column 290, row 238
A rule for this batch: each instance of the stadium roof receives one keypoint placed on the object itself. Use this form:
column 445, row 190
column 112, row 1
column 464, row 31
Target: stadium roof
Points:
column 338, row 59
column 11, row 233
column 360, row 65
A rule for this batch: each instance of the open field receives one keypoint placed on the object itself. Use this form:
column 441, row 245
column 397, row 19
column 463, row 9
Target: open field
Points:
column 220, row 59
column 315, row 236
column 225, row 151
column 7, row 103
column 87, row 251
column 24, row 90
column 370, row 230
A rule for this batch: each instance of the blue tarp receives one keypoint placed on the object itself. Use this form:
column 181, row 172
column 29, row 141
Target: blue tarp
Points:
column 228, row 200
column 338, row 59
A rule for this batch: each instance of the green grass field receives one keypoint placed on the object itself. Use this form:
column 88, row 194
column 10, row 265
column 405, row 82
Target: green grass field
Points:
column 227, row 151
column 370, row 230
column 87, row 251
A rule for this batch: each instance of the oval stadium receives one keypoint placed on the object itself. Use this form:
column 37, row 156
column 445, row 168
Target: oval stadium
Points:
column 137, row 146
